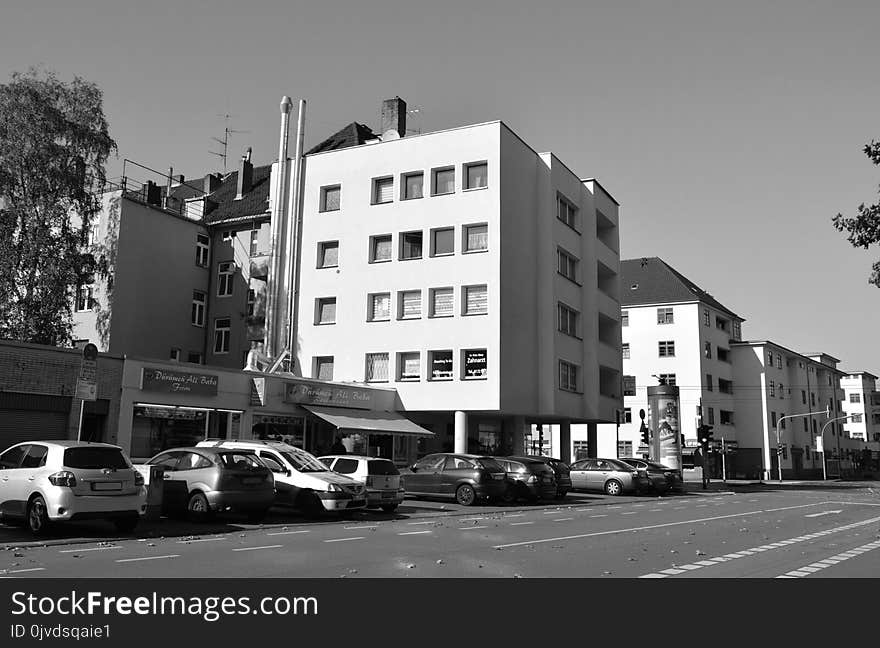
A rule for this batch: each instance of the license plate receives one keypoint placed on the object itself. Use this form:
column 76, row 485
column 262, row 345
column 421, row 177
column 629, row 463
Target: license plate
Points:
column 251, row 480
column 106, row 486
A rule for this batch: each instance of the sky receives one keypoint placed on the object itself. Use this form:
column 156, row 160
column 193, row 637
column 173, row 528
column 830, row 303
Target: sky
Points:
column 730, row 133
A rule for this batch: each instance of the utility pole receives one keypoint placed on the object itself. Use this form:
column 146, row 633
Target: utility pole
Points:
column 778, row 434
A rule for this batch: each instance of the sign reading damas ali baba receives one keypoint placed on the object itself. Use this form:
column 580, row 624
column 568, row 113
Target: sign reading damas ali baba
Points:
column 328, row 395
column 183, row 382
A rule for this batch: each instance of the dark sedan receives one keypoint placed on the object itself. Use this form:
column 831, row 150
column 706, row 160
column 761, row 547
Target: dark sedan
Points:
column 467, row 478
column 562, row 472
column 663, row 478
column 528, row 478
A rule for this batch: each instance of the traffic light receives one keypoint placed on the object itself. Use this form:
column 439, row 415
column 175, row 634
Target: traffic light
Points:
column 704, row 433
column 645, row 437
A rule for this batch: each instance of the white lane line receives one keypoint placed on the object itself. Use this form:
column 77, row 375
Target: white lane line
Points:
column 515, row 515
column 563, row 519
column 701, row 505
column 89, row 549
column 520, row 523
column 551, row 512
column 428, row 522
column 258, row 548
column 614, row 507
column 345, row 539
column 638, row 504
column 583, row 509
column 630, row 513
column 361, row 526
column 654, row 510
column 415, row 532
column 22, row 571
column 275, row 533
column 595, row 516
column 127, row 560
column 471, row 519
column 677, row 508
column 482, row 526
column 829, row 562
column 199, row 540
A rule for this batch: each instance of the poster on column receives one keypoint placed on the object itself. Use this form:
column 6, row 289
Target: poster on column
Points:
column 664, row 422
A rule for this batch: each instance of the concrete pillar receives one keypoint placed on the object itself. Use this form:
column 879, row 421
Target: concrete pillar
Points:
column 461, row 432
column 565, row 442
column 518, row 429
column 592, row 440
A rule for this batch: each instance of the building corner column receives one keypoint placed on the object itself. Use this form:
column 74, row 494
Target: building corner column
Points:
column 461, row 432
column 592, row 440
column 565, row 441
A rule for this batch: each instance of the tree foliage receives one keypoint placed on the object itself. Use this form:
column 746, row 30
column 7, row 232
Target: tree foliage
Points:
column 864, row 229
column 54, row 143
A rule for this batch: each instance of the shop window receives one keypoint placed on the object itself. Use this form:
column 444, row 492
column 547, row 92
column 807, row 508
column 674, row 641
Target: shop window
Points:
column 475, row 364
column 441, row 365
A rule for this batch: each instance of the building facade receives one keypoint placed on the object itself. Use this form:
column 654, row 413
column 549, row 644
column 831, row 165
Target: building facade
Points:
column 861, row 405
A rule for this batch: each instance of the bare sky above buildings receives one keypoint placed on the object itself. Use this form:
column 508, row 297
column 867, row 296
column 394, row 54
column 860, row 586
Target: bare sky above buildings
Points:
column 729, row 132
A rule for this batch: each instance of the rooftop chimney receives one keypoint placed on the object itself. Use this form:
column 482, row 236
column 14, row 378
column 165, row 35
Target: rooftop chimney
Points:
column 245, row 175
column 393, row 118
column 212, row 181
column 177, row 179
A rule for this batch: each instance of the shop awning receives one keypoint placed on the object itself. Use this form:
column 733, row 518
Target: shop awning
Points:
column 368, row 421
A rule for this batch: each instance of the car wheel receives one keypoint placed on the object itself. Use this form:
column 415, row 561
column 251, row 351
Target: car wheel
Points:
column 613, row 487
column 126, row 524
column 38, row 516
column 198, row 508
column 465, row 495
column 310, row 504
column 389, row 508
column 509, row 496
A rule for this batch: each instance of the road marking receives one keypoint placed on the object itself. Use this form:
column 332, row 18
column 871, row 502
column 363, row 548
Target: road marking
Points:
column 345, row 539
column 126, row 560
column 414, row 532
column 257, row 548
column 630, row 513
column 22, row 571
column 595, row 516
column 701, row 505
column 428, row 522
column 361, row 526
column 584, row 509
column 551, row 512
column 89, row 549
column 275, row 533
column 654, row 510
column 471, row 519
column 828, row 562
column 482, row 526
column 803, row 571
column 563, row 519
column 515, row 515
column 199, row 540
column 642, row 528
column 520, row 523
column 614, row 507
column 823, row 513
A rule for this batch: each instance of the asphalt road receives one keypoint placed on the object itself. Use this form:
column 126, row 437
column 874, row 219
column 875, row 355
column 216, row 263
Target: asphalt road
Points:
column 808, row 533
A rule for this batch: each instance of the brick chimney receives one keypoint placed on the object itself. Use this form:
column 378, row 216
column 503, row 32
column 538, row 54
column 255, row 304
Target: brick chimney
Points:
column 245, row 175
column 212, row 182
column 394, row 116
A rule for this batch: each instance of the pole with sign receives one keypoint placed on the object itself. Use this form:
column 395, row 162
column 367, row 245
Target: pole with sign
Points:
column 87, row 383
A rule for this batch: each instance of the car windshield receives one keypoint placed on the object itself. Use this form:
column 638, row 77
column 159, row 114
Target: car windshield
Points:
column 240, row 461
column 95, row 458
column 303, row 462
column 381, row 467
column 490, row 464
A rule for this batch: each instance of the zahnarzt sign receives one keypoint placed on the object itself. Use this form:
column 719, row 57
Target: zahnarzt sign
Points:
column 183, row 382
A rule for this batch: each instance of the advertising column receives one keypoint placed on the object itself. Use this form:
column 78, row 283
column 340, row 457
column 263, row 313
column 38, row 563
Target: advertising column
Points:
column 663, row 421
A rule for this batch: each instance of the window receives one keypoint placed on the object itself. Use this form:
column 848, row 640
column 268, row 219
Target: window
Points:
column 707, row 349
column 408, row 366
column 413, row 185
column 255, row 242
column 222, row 328
column 711, row 412
column 666, row 348
column 225, row 275
column 624, row 448
column 476, row 175
column 383, row 190
column 324, row 368
column 803, row 397
column 629, row 385
column 330, row 198
column 624, row 318
column 664, row 316
column 325, row 310
column 441, row 302
column 581, row 449
column 568, row 322
column 566, row 265
column 442, row 241
column 227, row 236
column 667, row 379
column 441, row 365
column 778, row 361
column 856, row 418
column 773, row 419
column 725, row 386
column 627, row 415
column 568, row 376
column 476, row 238
column 772, row 386
column 782, row 420
column 566, row 212
column 379, row 307
column 475, row 300
column 737, row 330
column 203, row 244
column 812, row 399
column 770, row 358
column 725, row 417
column 251, row 302
column 722, row 354
column 706, row 318
column 709, row 381
column 723, row 325
column 443, row 181
column 855, row 398
column 410, row 306
column 380, row 248
column 194, row 357
column 411, row 245
column 84, row 301
column 814, row 425
column 175, row 355
column 328, row 254
column 197, row 318
column 475, row 364
column 625, row 350
column 807, row 429
column 377, row 367
column 807, row 451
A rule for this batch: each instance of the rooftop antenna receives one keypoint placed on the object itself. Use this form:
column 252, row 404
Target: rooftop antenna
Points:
column 415, row 111
column 225, row 141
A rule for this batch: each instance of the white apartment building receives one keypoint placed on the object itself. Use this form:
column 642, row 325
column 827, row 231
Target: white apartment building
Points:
column 861, row 404
column 477, row 277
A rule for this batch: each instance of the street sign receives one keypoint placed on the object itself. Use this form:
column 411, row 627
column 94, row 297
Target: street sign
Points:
column 87, row 383
column 819, row 445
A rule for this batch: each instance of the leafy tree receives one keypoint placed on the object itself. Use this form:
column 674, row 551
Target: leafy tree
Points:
column 864, row 229
column 54, row 142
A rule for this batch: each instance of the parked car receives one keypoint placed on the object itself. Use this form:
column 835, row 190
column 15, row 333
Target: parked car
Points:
column 301, row 481
column 663, row 478
column 379, row 476
column 465, row 477
column 609, row 475
column 216, row 480
column 562, row 472
column 528, row 479
column 44, row 482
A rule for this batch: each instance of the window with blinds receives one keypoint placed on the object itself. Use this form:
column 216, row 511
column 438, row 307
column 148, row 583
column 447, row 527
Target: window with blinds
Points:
column 409, row 366
column 411, row 245
column 476, row 238
column 475, row 300
column 380, row 307
column 326, row 310
column 380, row 248
column 444, row 181
column 410, row 304
column 377, row 367
column 441, row 302
column 324, row 368
column 383, row 190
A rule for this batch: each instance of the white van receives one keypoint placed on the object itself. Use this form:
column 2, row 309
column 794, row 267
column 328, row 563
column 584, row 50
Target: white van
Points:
column 301, row 481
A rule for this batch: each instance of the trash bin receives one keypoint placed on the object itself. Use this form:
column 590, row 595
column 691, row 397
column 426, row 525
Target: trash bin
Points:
column 154, row 480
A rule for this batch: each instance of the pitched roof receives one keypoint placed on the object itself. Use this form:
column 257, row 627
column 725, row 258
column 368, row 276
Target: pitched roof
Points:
column 352, row 135
column 651, row 280
column 253, row 203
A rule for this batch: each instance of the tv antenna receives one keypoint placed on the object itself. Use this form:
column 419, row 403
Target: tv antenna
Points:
column 225, row 141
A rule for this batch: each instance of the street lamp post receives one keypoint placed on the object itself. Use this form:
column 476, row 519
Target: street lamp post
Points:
column 778, row 433
column 822, row 436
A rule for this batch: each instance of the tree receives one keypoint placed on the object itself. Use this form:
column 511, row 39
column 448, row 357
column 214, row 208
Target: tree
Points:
column 864, row 229
column 54, row 142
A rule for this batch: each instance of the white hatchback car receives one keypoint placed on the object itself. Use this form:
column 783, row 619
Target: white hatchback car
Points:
column 301, row 480
column 380, row 476
column 44, row 482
